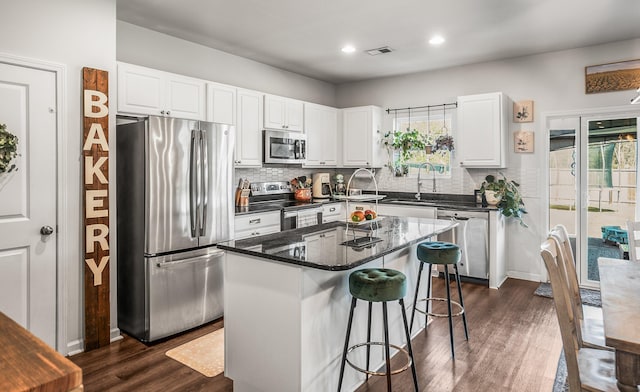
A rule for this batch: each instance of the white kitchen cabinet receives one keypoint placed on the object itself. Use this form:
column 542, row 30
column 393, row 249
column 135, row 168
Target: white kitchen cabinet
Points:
column 322, row 240
column 321, row 128
column 149, row 91
column 497, row 250
column 361, row 137
column 410, row 211
column 221, row 103
column 283, row 113
column 256, row 224
column 482, row 130
column 332, row 212
column 248, row 129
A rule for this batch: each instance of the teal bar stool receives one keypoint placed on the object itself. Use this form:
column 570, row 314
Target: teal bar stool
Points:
column 378, row 285
column 445, row 254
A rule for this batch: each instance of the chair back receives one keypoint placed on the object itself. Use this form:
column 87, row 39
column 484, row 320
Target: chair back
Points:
column 550, row 252
column 568, row 267
column 634, row 240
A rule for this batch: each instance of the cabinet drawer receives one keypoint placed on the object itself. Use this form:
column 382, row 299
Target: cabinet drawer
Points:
column 332, row 212
column 256, row 231
column 251, row 221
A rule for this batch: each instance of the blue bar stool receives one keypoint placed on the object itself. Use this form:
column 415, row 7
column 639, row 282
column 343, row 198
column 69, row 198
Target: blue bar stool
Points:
column 378, row 285
column 442, row 253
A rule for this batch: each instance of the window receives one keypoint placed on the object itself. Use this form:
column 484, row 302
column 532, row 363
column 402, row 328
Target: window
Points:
column 432, row 126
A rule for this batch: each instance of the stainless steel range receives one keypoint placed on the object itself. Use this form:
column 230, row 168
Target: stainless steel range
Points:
column 294, row 214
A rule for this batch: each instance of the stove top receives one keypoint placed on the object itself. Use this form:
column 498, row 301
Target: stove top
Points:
column 266, row 196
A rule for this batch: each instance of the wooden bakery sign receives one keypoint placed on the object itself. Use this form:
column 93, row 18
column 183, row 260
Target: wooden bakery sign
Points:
column 95, row 151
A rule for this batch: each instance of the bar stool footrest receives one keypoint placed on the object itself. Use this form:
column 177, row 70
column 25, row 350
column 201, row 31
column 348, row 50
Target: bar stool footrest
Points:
column 374, row 373
column 442, row 315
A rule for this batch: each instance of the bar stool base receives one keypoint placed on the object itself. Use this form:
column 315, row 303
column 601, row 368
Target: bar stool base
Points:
column 373, row 373
column 442, row 315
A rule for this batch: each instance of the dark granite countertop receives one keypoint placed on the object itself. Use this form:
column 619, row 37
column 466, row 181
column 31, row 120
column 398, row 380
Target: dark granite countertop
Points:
column 438, row 200
column 321, row 246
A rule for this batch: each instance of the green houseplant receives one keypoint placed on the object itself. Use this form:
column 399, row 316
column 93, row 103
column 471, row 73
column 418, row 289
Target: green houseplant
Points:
column 507, row 196
column 406, row 143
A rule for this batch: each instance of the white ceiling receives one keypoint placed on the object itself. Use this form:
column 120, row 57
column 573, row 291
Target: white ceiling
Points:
column 306, row 36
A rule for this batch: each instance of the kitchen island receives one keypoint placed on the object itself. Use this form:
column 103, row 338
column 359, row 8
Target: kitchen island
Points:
column 287, row 300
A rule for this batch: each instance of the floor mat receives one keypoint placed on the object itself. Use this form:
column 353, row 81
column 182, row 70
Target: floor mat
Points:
column 204, row 354
column 560, row 383
column 589, row 297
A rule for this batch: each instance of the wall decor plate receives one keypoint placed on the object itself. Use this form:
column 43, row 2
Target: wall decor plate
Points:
column 523, row 111
column 523, row 141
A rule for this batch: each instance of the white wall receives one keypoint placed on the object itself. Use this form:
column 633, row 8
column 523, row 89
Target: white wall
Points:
column 77, row 34
column 149, row 48
column 554, row 81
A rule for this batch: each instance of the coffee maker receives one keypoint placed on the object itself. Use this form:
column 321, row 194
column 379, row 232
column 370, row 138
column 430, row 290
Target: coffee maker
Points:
column 321, row 186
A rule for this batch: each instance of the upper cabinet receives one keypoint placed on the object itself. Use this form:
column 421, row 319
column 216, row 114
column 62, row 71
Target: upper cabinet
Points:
column 221, row 103
column 321, row 128
column 249, row 129
column 283, row 113
column 144, row 90
column 482, row 130
column 361, row 137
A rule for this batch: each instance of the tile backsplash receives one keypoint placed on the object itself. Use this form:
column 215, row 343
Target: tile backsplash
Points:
column 461, row 181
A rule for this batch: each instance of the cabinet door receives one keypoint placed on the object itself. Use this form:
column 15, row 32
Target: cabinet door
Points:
column 294, row 115
column 275, row 112
column 221, row 103
column 186, row 97
column 482, row 133
column 357, row 140
column 321, row 128
column 249, row 129
column 140, row 90
column 409, row 211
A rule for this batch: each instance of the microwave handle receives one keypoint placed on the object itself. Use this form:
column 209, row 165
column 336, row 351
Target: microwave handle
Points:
column 303, row 149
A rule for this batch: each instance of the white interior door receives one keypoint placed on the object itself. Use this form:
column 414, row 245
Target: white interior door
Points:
column 28, row 201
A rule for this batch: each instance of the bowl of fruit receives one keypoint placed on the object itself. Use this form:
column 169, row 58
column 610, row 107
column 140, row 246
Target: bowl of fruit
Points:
column 360, row 216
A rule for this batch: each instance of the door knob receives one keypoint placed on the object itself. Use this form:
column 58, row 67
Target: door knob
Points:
column 46, row 230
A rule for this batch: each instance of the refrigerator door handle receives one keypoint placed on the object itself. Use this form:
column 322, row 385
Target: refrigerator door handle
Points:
column 192, row 184
column 191, row 260
column 204, row 172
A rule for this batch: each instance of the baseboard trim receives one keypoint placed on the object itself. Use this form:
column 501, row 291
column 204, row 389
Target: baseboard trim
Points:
column 77, row 346
column 526, row 276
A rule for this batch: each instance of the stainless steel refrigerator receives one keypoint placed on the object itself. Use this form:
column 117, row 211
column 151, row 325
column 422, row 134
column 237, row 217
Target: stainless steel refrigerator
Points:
column 174, row 203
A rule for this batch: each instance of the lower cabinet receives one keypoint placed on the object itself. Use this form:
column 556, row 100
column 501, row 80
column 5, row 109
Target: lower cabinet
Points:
column 253, row 225
column 332, row 212
column 418, row 212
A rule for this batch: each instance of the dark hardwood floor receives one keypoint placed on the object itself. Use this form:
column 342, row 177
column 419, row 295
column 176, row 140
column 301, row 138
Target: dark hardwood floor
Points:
column 514, row 345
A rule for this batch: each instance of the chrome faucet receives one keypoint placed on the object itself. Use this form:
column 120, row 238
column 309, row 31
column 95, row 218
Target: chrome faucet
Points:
column 433, row 169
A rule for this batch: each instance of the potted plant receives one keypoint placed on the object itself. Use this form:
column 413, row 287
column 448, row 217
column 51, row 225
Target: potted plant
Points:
column 443, row 143
column 406, row 143
column 504, row 194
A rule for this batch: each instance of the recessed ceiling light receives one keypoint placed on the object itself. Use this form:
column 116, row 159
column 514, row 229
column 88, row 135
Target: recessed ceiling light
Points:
column 348, row 49
column 436, row 40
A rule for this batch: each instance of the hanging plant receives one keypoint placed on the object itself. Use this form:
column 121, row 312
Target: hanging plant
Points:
column 8, row 149
column 405, row 142
column 444, row 143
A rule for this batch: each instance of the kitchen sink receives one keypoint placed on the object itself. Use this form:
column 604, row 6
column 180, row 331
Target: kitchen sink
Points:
column 427, row 203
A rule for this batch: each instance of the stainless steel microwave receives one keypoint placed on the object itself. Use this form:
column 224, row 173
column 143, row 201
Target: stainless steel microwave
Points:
column 284, row 147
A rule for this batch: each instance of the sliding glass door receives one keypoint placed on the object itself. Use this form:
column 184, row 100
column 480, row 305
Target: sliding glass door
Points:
column 593, row 182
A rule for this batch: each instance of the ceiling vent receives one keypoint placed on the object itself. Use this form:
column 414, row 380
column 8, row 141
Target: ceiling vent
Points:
column 377, row 51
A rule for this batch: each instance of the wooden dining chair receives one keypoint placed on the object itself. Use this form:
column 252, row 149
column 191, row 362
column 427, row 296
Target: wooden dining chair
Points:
column 588, row 369
column 590, row 326
column 634, row 240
